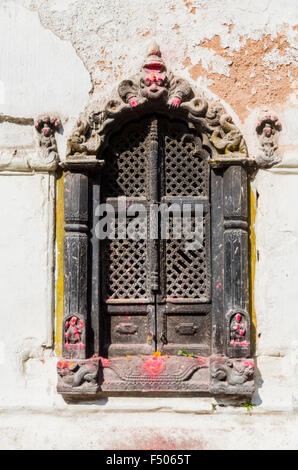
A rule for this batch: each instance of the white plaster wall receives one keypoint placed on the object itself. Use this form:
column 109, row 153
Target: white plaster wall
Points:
column 276, row 277
column 26, row 273
column 39, row 73
column 97, row 429
column 55, row 52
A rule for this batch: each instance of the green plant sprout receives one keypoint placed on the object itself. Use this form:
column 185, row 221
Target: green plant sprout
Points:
column 248, row 405
column 182, row 352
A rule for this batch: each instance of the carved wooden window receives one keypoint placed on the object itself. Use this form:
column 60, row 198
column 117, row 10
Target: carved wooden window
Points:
column 148, row 315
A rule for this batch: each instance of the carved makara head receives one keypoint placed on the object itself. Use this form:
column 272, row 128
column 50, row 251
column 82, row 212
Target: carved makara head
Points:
column 154, row 77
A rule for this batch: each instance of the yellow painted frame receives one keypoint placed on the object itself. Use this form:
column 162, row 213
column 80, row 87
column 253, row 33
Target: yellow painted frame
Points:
column 59, row 262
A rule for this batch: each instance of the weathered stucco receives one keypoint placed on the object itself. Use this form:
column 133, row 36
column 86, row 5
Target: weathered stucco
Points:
column 61, row 55
column 245, row 51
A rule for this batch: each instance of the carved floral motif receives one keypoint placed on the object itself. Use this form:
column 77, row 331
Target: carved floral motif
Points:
column 47, row 127
column 158, row 373
column 268, row 129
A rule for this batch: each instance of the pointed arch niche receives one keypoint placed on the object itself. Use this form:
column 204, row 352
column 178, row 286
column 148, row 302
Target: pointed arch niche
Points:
column 147, row 315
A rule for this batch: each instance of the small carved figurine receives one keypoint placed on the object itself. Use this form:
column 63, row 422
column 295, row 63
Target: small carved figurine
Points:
column 237, row 328
column 268, row 129
column 227, row 138
column 154, row 82
column 46, row 127
column 84, row 140
column 73, row 330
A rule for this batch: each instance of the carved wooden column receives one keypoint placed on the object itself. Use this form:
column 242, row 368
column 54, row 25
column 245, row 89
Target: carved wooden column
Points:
column 76, row 370
column 76, row 209
column 231, row 368
column 236, row 286
column 75, row 264
column 154, row 244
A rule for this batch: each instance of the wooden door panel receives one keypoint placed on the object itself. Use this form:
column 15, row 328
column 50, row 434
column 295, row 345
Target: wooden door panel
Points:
column 130, row 329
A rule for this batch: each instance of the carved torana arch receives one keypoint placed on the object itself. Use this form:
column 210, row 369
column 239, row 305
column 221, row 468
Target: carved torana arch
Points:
column 155, row 89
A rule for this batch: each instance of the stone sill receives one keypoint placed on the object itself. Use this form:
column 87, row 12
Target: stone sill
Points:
column 143, row 375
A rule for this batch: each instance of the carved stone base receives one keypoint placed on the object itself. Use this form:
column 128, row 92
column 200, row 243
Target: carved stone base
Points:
column 214, row 374
column 78, row 377
column 232, row 376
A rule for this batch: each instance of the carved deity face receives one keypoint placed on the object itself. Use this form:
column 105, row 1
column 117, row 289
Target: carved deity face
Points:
column 47, row 131
column 154, row 80
column 267, row 130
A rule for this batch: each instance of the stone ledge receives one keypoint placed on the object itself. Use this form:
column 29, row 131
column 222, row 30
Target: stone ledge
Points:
column 24, row 160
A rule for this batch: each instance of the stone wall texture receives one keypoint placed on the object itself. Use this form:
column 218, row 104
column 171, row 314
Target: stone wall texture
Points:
column 59, row 57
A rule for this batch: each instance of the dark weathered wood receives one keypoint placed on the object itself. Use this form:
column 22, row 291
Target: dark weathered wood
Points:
column 160, row 142
column 154, row 198
column 236, row 294
column 217, row 248
column 75, row 265
column 96, row 317
column 119, row 312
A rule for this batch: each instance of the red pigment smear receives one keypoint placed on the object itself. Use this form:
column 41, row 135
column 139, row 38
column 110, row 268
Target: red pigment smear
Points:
column 104, row 362
column 201, row 360
column 153, row 366
column 154, row 67
column 62, row 365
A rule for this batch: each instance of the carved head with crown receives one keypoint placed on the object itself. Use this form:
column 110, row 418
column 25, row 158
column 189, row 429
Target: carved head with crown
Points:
column 154, row 80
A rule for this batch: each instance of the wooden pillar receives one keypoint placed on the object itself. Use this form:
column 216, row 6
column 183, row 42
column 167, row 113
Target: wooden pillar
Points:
column 236, row 285
column 76, row 240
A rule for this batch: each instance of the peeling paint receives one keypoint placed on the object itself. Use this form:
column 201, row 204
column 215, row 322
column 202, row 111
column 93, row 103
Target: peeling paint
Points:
column 245, row 51
column 248, row 72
